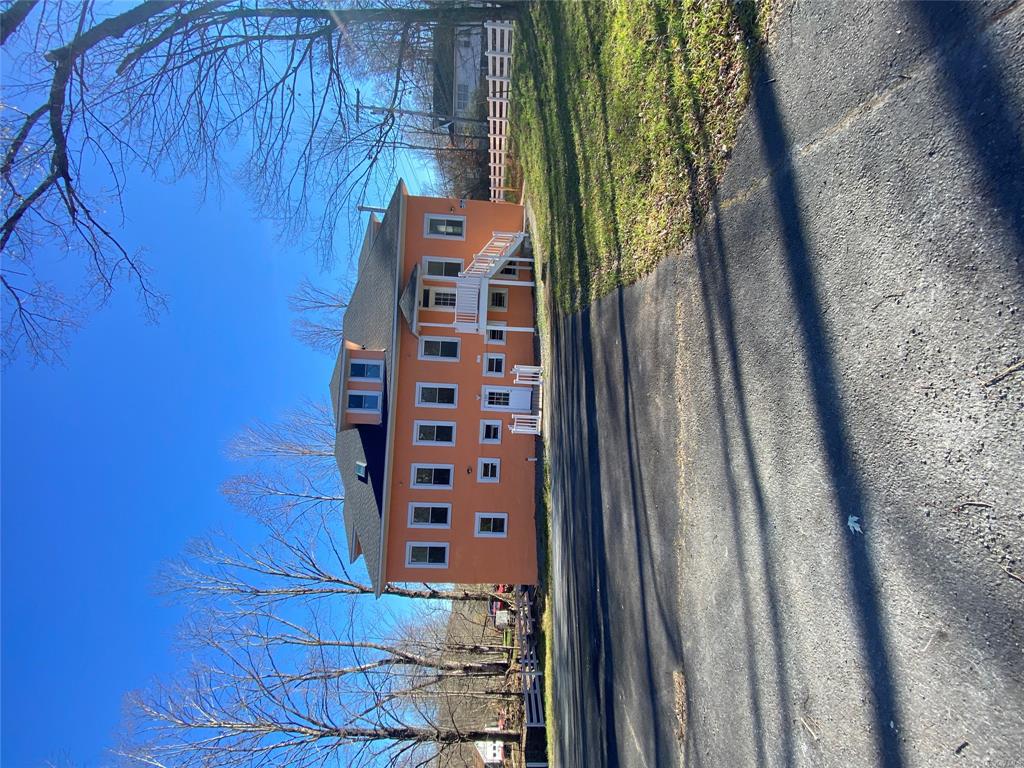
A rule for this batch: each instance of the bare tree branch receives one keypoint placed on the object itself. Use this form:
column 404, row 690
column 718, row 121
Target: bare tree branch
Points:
column 172, row 88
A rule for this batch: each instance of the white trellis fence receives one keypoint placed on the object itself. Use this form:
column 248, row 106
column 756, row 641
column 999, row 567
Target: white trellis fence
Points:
column 498, row 49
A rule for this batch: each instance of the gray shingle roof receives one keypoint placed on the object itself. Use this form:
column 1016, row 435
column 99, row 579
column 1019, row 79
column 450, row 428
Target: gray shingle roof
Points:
column 370, row 321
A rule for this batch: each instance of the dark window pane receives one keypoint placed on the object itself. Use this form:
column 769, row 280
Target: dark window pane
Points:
column 437, row 556
column 446, row 227
column 444, row 434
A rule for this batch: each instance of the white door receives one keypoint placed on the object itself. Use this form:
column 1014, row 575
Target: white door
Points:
column 521, row 399
column 514, row 399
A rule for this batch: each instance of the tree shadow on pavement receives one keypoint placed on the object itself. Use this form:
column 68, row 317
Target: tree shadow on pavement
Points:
column 970, row 74
column 847, row 488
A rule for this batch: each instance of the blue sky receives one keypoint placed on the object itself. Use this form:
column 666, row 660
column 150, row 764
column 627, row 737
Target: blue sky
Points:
column 112, row 462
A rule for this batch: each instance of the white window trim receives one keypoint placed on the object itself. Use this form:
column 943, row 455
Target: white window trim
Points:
column 449, row 260
column 494, row 355
column 480, row 534
column 431, row 307
column 414, row 504
column 458, row 349
column 429, row 422
column 493, row 422
column 487, row 334
column 490, row 293
column 480, row 470
column 365, row 361
column 378, row 393
column 426, row 226
column 419, row 389
column 408, row 554
column 485, row 406
column 431, row 486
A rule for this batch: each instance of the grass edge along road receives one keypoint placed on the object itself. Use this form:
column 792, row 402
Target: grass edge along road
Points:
column 623, row 117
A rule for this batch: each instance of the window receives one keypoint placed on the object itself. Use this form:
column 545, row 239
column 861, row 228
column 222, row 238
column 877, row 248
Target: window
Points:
column 495, row 335
column 439, row 348
column 438, row 298
column 498, row 398
column 494, row 364
column 364, row 401
column 423, row 515
column 491, row 524
column 498, row 299
column 435, row 266
column 462, row 97
column 488, row 470
column 360, row 370
column 437, row 395
column 432, row 475
column 509, row 271
column 433, row 433
column 426, row 554
column 490, row 431
column 444, row 226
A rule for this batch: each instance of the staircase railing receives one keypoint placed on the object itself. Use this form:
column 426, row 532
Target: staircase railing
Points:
column 471, row 285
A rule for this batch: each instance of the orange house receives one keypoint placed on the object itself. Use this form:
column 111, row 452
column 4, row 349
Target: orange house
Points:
column 436, row 395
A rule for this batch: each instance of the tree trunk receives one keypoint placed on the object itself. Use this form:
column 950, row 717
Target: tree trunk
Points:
column 11, row 19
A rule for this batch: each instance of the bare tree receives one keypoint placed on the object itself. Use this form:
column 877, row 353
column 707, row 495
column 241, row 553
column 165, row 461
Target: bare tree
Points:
column 302, row 440
column 319, row 315
column 300, row 561
column 268, row 690
column 173, row 88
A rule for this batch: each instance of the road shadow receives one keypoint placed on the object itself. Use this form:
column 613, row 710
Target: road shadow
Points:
column 970, row 74
column 843, row 475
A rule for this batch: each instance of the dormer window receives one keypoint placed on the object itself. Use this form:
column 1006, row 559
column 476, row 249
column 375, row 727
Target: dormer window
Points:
column 365, row 370
column 364, row 402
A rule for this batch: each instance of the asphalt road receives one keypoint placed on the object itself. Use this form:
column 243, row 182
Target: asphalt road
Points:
column 778, row 472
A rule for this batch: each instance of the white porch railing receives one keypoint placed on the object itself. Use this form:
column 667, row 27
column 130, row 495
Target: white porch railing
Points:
column 527, row 374
column 525, row 424
column 498, row 50
column 467, row 301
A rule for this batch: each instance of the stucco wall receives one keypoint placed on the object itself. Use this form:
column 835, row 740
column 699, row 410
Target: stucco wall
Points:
column 471, row 559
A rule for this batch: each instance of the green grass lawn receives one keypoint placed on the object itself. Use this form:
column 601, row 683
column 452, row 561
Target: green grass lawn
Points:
column 623, row 116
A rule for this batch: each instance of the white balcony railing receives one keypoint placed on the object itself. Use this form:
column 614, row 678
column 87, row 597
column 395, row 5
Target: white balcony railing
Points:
column 471, row 289
column 528, row 374
column 525, row 424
